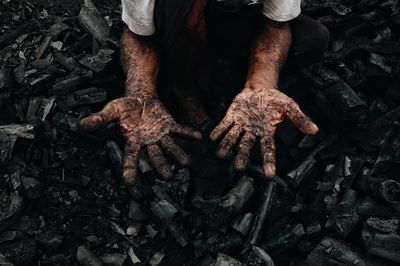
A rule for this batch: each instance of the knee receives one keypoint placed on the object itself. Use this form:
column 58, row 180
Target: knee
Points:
column 322, row 38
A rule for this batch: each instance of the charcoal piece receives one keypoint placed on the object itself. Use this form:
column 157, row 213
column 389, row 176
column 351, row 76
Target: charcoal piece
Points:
column 86, row 257
column 388, row 161
column 178, row 233
column 343, row 218
column 379, row 188
column 385, row 48
column 93, row 22
column 284, row 239
column 115, row 154
column 371, row 208
column 67, row 62
column 313, row 229
column 164, row 210
column 332, row 252
column 256, row 256
column 384, row 225
column 117, row 228
column 19, row 252
column 382, row 62
column 6, row 147
column 263, row 211
column 4, row 261
column 31, row 187
column 86, row 97
column 10, row 208
column 9, row 38
column 18, row 130
column 70, row 83
column 7, row 236
column 157, row 258
column 6, row 80
column 228, row 242
column 243, row 223
column 225, row 260
column 134, row 258
column 337, row 93
column 151, row 231
column 43, row 46
column 136, row 212
column 115, row 259
column 219, row 211
column 98, row 62
column 309, row 162
column 50, row 239
column 382, row 243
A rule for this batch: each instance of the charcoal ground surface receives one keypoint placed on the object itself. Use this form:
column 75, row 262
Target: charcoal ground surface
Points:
column 335, row 200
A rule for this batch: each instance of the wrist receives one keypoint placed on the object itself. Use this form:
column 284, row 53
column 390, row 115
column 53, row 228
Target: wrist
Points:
column 257, row 85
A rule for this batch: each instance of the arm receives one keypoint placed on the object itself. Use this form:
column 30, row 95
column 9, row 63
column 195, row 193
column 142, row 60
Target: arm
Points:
column 144, row 121
column 139, row 59
column 260, row 107
column 269, row 54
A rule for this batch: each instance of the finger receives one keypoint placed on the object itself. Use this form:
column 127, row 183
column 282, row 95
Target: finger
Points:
column 300, row 120
column 220, row 129
column 130, row 164
column 174, row 150
column 245, row 146
column 226, row 145
column 99, row 119
column 158, row 160
column 267, row 144
column 187, row 132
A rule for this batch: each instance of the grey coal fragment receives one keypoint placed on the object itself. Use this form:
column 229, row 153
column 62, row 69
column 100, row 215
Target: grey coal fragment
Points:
column 98, row 62
column 18, row 130
column 136, row 212
column 313, row 229
column 381, row 238
column 7, row 236
column 157, row 258
column 225, row 260
column 20, row 252
column 4, row 261
column 134, row 258
column 371, row 208
column 263, row 211
column 227, row 242
column 117, row 228
column 10, row 208
column 388, row 161
column 70, row 83
column 6, row 147
column 243, row 223
column 343, row 218
column 50, row 239
column 31, row 187
column 93, row 22
column 379, row 188
column 86, row 97
column 115, row 154
column 284, row 239
column 256, row 256
column 115, row 259
column 221, row 210
column 333, row 252
column 179, row 234
column 86, row 257
column 164, row 210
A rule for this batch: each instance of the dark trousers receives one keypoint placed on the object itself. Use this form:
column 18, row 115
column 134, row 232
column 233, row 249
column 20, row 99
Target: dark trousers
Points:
column 222, row 59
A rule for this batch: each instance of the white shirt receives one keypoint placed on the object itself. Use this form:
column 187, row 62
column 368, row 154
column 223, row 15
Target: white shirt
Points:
column 138, row 14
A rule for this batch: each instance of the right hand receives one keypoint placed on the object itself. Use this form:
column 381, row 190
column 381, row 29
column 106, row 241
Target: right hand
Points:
column 145, row 124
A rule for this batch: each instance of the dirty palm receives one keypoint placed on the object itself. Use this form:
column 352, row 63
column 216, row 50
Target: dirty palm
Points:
column 252, row 116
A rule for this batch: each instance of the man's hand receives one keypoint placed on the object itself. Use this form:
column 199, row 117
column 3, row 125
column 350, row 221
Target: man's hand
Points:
column 255, row 113
column 144, row 124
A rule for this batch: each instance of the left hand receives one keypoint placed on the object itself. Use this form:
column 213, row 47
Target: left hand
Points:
column 256, row 112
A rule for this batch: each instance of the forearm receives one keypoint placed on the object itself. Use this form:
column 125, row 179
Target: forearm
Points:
column 269, row 53
column 140, row 63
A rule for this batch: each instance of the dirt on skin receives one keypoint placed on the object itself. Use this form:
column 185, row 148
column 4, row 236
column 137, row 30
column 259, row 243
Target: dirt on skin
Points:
column 16, row 12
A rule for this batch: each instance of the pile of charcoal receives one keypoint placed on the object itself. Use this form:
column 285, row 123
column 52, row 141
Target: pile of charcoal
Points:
column 335, row 200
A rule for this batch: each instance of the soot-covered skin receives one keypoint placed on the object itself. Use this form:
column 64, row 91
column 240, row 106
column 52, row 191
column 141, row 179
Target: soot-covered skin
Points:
column 255, row 113
column 145, row 124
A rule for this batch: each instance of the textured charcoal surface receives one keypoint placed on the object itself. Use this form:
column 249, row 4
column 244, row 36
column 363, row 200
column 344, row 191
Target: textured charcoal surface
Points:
column 335, row 200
